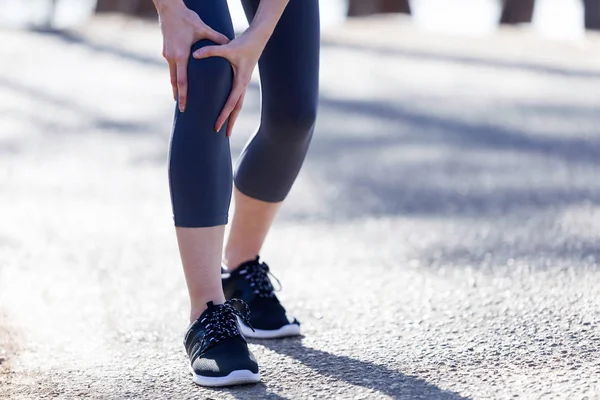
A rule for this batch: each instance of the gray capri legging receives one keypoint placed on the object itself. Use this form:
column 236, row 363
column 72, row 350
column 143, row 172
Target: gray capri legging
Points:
column 200, row 172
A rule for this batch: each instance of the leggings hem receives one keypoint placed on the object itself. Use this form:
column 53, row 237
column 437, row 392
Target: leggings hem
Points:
column 206, row 222
column 261, row 198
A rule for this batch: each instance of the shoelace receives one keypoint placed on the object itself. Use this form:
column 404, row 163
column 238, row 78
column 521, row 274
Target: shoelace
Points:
column 258, row 276
column 221, row 323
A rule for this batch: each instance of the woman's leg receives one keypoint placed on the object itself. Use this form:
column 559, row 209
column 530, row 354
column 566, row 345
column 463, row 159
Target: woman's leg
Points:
column 200, row 178
column 200, row 173
column 200, row 250
column 268, row 166
column 250, row 225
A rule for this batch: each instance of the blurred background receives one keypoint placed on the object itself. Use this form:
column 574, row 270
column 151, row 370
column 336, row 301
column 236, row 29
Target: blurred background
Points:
column 440, row 242
column 552, row 17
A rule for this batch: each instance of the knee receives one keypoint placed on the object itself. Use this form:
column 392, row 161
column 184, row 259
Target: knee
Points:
column 210, row 70
column 214, row 73
column 212, row 67
column 293, row 124
column 209, row 83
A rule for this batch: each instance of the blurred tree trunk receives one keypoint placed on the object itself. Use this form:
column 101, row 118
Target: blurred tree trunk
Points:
column 50, row 17
column 146, row 8
column 115, row 5
column 143, row 8
column 517, row 11
column 366, row 7
column 592, row 14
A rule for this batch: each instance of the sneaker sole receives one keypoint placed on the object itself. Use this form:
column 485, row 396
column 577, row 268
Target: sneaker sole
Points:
column 241, row 377
column 284, row 331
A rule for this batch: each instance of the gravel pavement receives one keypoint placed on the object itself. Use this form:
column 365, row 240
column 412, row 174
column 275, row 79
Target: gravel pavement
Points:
column 441, row 243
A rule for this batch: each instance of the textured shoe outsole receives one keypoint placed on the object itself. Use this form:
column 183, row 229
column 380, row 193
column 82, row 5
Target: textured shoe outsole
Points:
column 242, row 377
column 284, row 331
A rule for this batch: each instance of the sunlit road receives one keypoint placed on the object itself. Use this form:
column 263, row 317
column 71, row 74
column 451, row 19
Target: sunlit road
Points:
column 442, row 241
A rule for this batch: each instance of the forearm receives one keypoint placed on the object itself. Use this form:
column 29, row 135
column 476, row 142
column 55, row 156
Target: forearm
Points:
column 266, row 18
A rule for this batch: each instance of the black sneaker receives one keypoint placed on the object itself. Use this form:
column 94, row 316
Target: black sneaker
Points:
column 250, row 282
column 219, row 354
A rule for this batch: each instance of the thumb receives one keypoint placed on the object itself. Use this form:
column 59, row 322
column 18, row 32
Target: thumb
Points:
column 209, row 33
column 211, row 51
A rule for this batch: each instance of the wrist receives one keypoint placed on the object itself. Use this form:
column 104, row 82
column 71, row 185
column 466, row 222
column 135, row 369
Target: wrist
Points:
column 260, row 34
column 167, row 5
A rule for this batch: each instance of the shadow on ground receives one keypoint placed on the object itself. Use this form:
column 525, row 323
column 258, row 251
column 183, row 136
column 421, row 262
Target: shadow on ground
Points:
column 359, row 373
column 73, row 38
column 467, row 169
column 537, row 252
column 467, row 60
column 88, row 118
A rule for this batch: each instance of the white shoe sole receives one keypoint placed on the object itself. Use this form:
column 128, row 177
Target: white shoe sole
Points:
column 241, row 377
column 284, row 331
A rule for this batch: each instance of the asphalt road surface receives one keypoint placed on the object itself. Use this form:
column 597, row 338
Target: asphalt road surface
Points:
column 441, row 243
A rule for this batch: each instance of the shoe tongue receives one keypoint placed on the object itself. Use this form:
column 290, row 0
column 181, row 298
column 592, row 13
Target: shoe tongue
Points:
column 211, row 307
column 249, row 264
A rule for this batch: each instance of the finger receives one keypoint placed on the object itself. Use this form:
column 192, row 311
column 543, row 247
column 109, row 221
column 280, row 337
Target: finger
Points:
column 182, row 83
column 211, row 51
column 234, row 114
column 236, row 92
column 173, row 73
column 206, row 32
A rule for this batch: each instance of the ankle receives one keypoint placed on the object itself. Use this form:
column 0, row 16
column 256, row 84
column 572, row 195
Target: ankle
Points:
column 197, row 307
column 233, row 261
